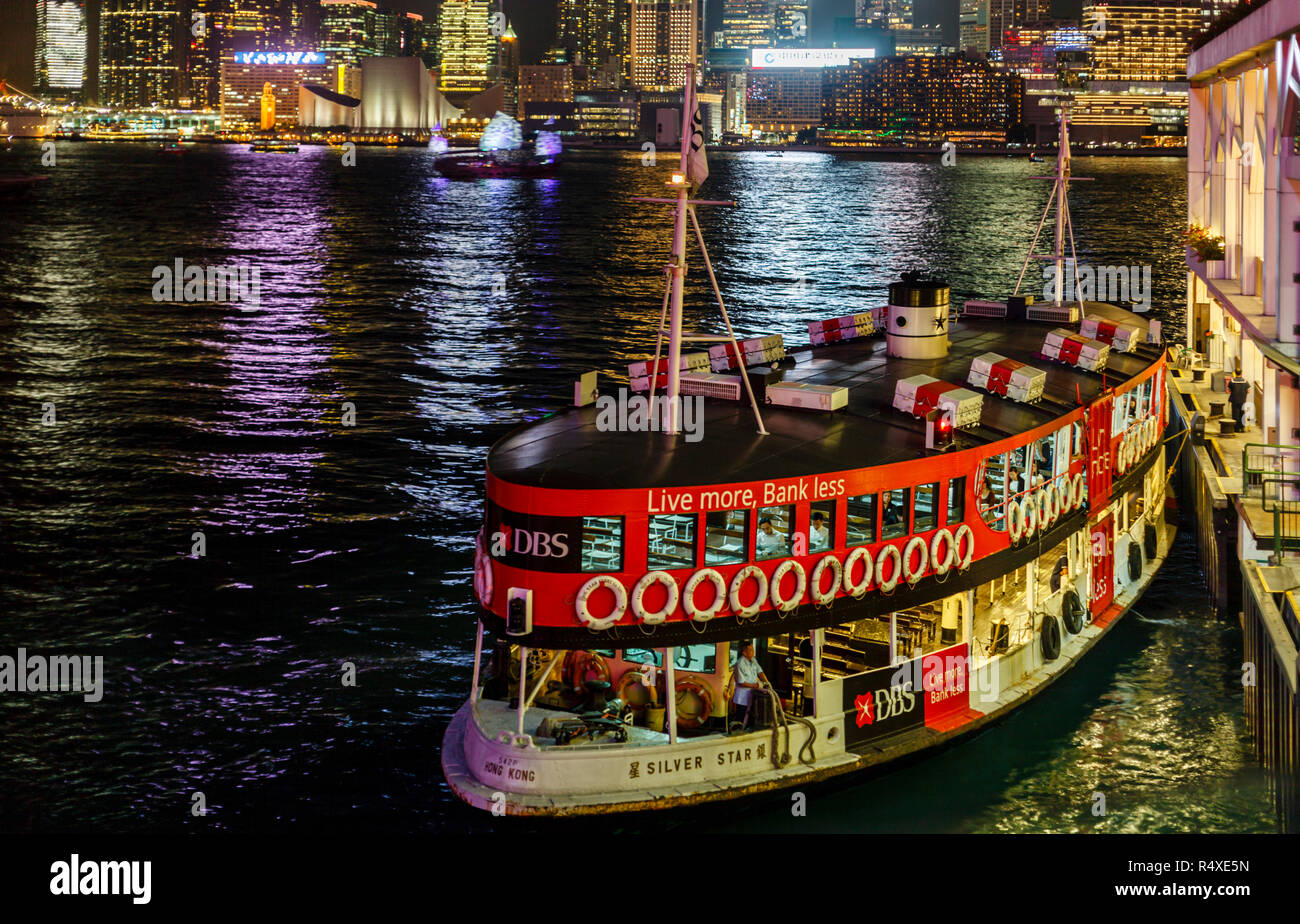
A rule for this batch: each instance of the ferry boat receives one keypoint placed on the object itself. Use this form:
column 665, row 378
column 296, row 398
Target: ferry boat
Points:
column 921, row 520
column 502, row 154
column 273, row 146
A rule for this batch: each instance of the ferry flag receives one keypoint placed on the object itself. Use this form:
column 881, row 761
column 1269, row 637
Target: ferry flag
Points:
column 697, row 165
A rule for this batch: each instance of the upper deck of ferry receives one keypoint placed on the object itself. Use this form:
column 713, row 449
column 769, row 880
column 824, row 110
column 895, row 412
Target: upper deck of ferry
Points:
column 569, row 451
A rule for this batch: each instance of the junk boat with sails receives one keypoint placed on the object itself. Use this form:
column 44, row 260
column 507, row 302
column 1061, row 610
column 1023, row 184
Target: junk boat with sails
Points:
column 923, row 519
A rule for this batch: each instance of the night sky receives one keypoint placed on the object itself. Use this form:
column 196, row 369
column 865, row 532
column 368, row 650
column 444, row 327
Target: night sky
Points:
column 534, row 21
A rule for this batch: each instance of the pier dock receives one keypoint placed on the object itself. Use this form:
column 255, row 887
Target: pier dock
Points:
column 1236, row 395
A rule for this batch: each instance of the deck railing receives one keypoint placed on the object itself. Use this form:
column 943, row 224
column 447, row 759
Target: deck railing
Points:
column 1272, row 473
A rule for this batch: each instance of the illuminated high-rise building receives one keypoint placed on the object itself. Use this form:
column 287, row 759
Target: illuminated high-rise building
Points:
column 1005, row 15
column 593, row 31
column 60, row 47
column 890, row 15
column 139, row 53
column 664, row 36
column 349, row 31
column 1142, row 41
column 508, row 64
column 419, row 38
column 973, row 26
column 747, row 24
column 469, row 33
column 792, row 23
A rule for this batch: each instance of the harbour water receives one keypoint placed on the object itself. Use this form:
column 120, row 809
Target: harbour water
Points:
column 329, row 446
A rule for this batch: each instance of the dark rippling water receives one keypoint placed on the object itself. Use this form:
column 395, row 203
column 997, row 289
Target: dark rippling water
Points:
column 444, row 312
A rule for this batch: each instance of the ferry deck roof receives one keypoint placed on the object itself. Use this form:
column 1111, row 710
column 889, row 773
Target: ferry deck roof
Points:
column 567, row 451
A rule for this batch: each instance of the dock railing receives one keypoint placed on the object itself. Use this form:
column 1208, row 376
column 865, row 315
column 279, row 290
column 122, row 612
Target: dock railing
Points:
column 1272, row 473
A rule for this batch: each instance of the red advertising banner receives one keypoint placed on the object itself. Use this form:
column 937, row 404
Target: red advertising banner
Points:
column 945, row 681
column 1103, row 565
column 1099, row 453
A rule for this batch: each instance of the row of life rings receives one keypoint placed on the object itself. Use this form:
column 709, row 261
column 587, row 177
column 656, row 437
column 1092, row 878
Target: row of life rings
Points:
column 1137, row 442
column 944, row 551
column 1040, row 510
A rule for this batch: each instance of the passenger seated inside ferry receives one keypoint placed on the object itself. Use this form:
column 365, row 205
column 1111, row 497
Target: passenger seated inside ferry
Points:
column 819, row 537
column 1016, row 483
column 894, row 515
column 774, row 527
column 748, row 678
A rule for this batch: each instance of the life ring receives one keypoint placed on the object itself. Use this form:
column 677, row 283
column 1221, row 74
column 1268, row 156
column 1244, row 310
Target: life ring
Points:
column 1063, row 498
column 1051, row 638
column 1050, row 506
column 801, row 583
column 737, row 582
column 1072, row 612
column 625, row 683
column 719, row 594
column 1015, row 521
column 889, row 551
column 916, row 542
column 620, row 600
column 638, row 597
column 1080, row 486
column 1044, row 504
column 942, row 565
column 1151, row 432
column 1119, row 457
column 868, row 571
column 963, row 561
column 1134, row 561
column 688, row 685
column 578, row 664
column 483, row 584
column 828, row 561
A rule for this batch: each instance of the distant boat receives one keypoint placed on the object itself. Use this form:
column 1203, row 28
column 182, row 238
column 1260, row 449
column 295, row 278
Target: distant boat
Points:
column 1036, row 158
column 272, row 146
column 171, row 147
column 503, row 155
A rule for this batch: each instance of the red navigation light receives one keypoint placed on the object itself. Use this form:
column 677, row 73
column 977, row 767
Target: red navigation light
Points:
column 938, row 430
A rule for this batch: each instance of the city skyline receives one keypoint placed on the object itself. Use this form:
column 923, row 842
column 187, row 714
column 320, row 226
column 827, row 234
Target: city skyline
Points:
column 534, row 22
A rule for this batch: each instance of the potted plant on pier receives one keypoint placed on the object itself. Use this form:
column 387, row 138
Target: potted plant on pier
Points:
column 1205, row 244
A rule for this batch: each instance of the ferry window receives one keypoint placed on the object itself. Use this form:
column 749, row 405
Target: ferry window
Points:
column 640, row 655
column 861, row 520
column 1017, row 480
column 602, row 543
column 725, row 532
column 1062, row 451
column 893, row 507
column 993, row 492
column 1077, row 429
column 671, row 538
column 775, row 524
column 1041, row 461
column 926, row 513
column 821, row 526
column 956, row 501
column 1145, row 391
column 603, row 652
column 702, row 658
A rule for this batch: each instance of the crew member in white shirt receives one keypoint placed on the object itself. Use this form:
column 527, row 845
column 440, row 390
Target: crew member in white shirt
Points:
column 749, row 677
column 770, row 542
column 819, row 537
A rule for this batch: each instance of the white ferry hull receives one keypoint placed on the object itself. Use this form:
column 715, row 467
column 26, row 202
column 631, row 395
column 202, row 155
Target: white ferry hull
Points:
column 511, row 775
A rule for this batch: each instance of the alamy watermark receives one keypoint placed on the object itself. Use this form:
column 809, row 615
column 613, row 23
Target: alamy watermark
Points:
column 1101, row 284
column 33, row 673
column 183, row 282
column 641, row 414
